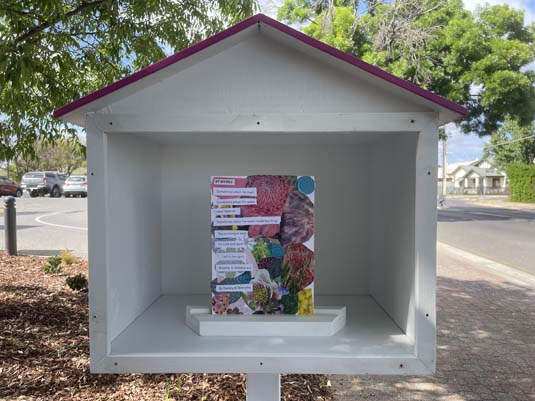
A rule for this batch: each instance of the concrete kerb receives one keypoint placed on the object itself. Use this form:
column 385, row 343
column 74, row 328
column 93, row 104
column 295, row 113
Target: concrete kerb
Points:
column 511, row 274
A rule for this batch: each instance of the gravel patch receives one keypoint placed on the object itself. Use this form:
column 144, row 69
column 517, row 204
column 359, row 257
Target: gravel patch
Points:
column 44, row 349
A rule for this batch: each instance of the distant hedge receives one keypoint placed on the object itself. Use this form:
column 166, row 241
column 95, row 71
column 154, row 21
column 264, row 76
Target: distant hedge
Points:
column 521, row 182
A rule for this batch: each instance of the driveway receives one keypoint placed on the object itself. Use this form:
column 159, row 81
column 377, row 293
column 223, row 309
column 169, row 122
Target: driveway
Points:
column 46, row 226
column 503, row 235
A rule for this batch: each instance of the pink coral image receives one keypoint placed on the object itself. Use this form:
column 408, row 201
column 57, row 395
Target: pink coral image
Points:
column 272, row 194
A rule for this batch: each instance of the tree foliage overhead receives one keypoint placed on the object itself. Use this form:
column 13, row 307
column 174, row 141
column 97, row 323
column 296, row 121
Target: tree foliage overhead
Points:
column 476, row 59
column 54, row 51
column 512, row 144
column 63, row 155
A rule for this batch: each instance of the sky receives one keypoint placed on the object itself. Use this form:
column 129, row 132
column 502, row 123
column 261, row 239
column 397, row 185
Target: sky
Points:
column 461, row 147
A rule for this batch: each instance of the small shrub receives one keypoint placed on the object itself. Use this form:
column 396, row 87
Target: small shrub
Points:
column 67, row 258
column 521, row 182
column 76, row 283
column 53, row 266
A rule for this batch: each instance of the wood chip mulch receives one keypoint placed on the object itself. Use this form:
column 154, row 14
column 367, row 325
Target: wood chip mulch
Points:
column 44, row 349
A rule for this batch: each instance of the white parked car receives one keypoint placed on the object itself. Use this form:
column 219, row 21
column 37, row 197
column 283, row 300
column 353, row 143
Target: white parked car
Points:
column 75, row 185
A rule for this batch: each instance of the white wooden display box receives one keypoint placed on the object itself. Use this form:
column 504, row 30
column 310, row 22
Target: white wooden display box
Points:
column 262, row 101
column 142, row 277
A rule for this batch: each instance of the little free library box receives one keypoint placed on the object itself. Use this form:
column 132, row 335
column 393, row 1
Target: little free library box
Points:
column 262, row 99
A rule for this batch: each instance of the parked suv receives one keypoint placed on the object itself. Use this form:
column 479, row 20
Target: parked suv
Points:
column 8, row 187
column 75, row 185
column 40, row 183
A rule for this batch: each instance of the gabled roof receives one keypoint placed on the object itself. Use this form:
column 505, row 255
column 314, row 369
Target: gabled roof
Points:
column 453, row 110
column 483, row 172
column 474, row 166
column 466, row 166
column 463, row 167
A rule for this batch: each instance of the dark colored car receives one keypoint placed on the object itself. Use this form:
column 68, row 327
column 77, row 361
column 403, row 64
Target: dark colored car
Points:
column 8, row 187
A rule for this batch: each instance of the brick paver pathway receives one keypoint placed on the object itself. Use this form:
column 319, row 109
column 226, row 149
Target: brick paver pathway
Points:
column 486, row 343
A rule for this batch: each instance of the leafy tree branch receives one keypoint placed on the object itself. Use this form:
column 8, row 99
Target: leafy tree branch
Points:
column 55, row 51
column 44, row 25
column 478, row 59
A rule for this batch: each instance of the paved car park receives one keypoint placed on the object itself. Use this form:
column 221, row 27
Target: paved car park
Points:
column 45, row 225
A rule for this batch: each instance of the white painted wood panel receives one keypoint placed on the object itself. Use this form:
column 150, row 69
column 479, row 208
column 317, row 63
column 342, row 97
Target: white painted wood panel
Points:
column 341, row 206
column 392, row 210
column 260, row 75
column 98, row 218
column 425, row 222
column 134, row 228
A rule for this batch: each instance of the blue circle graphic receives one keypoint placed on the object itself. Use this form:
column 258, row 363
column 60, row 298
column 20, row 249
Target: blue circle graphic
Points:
column 306, row 184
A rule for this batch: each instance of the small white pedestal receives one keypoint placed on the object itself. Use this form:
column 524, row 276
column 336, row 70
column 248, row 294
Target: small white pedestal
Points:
column 263, row 387
column 326, row 321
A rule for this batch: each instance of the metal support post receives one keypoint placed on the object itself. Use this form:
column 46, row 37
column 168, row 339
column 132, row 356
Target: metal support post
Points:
column 10, row 225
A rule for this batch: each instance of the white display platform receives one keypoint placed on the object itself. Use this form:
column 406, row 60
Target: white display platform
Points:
column 326, row 321
column 160, row 341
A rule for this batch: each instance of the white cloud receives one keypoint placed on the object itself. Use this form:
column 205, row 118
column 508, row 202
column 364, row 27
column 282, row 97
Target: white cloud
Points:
column 270, row 7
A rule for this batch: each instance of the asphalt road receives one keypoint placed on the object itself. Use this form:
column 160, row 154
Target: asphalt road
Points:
column 45, row 226
column 48, row 225
column 503, row 235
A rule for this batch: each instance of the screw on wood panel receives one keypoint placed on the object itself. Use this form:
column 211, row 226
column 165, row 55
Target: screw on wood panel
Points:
column 429, row 173
column 261, row 363
column 94, row 316
column 427, row 315
column 412, row 121
column 116, row 364
column 92, row 174
column 111, row 123
column 258, row 123
column 401, row 366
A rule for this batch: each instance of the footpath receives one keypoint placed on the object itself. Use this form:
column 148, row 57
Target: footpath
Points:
column 485, row 338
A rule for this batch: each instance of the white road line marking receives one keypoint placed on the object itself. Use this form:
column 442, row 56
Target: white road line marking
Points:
column 39, row 220
column 492, row 214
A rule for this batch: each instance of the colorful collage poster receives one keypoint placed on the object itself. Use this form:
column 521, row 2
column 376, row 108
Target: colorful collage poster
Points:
column 262, row 244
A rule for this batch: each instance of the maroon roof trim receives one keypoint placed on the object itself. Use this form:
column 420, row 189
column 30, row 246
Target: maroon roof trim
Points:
column 261, row 18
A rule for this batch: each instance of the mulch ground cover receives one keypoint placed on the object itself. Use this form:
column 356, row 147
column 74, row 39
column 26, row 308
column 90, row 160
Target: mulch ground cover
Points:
column 44, row 349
